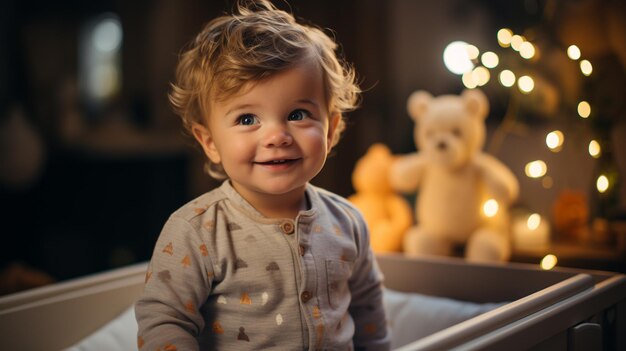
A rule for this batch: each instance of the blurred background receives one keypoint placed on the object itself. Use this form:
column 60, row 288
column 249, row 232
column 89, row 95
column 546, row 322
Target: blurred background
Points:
column 93, row 160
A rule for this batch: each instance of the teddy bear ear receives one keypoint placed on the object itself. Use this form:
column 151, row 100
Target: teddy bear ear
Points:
column 476, row 103
column 417, row 104
column 379, row 149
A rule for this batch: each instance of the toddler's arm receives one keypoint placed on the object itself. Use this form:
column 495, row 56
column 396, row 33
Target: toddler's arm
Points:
column 178, row 282
column 366, row 307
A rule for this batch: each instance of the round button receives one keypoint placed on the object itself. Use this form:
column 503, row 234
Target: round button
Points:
column 301, row 249
column 287, row 227
column 305, row 296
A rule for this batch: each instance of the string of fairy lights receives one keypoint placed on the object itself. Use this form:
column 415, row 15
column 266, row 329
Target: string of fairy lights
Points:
column 476, row 70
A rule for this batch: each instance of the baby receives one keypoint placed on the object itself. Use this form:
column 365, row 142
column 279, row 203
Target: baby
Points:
column 266, row 260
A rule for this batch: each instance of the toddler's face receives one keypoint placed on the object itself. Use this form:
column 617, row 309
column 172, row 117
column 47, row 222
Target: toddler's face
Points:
column 275, row 136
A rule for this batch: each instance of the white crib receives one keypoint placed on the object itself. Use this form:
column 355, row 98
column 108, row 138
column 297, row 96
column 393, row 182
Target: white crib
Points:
column 561, row 309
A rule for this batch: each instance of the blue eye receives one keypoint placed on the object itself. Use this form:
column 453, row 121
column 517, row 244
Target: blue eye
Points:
column 247, row 119
column 298, row 115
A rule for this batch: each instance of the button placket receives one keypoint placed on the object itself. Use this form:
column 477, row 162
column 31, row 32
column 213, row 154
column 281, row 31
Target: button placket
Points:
column 306, row 296
column 287, row 227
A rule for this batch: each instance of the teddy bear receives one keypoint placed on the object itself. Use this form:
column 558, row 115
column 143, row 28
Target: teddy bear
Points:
column 454, row 179
column 387, row 214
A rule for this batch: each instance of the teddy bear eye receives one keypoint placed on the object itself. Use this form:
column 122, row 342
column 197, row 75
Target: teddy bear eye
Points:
column 457, row 132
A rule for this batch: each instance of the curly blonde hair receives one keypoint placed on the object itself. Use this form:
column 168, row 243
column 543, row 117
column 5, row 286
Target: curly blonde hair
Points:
column 252, row 44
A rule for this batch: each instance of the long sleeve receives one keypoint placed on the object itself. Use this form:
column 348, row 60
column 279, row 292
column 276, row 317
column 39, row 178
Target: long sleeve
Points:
column 178, row 281
column 366, row 307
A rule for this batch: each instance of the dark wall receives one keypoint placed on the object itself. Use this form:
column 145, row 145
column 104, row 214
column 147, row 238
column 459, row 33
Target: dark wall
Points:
column 99, row 185
column 84, row 191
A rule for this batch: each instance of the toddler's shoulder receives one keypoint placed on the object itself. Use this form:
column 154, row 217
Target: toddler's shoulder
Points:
column 198, row 206
column 335, row 202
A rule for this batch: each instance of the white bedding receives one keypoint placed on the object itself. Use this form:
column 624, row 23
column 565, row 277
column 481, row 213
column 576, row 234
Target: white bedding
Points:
column 412, row 316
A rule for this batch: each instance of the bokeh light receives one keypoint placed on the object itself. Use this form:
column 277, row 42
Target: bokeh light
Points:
column 594, row 149
column 516, row 42
column 525, row 84
column 456, row 58
column 490, row 59
column 472, row 52
column 586, row 67
column 507, row 78
column 602, row 184
column 536, row 169
column 548, row 262
column 481, row 75
column 533, row 222
column 527, row 50
column 573, row 52
column 504, row 37
column 490, row 208
column 584, row 109
column 554, row 140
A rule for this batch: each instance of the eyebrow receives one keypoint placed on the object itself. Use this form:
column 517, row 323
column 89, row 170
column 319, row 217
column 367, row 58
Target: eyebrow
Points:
column 247, row 106
column 308, row 102
column 239, row 107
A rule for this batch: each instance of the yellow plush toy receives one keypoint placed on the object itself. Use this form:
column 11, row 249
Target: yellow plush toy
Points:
column 387, row 214
column 454, row 178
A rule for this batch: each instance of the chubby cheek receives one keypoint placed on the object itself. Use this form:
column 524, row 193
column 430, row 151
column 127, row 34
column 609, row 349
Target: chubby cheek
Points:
column 236, row 151
column 316, row 140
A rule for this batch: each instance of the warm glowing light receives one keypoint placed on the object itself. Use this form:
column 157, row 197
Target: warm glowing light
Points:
column 584, row 109
column 533, row 221
column 585, row 67
column 536, row 169
column 481, row 75
column 477, row 77
column 468, row 80
column 548, row 262
column 490, row 208
column 594, row 149
column 525, row 84
column 504, row 37
column 472, row 52
column 602, row 183
column 573, row 52
column 490, row 59
column 516, row 42
column 527, row 50
column 507, row 78
column 554, row 140
column 456, row 57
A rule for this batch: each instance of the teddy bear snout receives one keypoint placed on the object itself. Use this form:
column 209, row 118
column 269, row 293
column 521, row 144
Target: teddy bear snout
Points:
column 442, row 146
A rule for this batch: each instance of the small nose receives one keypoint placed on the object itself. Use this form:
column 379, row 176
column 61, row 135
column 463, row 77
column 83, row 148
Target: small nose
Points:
column 277, row 137
column 442, row 146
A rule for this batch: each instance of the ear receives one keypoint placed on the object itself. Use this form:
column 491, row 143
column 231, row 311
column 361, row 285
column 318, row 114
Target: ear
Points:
column 203, row 136
column 333, row 132
column 417, row 104
column 476, row 103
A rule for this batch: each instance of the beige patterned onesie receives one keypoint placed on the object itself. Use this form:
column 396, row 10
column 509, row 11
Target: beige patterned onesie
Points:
column 223, row 277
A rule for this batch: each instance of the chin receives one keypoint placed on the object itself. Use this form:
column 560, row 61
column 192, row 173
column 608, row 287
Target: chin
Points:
column 280, row 188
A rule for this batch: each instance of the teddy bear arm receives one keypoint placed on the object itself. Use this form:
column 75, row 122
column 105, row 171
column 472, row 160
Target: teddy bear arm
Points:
column 498, row 178
column 406, row 172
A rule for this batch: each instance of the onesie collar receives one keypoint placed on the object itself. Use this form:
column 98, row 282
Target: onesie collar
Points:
column 247, row 209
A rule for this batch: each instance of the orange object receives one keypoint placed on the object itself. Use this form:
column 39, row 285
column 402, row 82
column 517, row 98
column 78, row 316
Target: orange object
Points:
column 387, row 214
